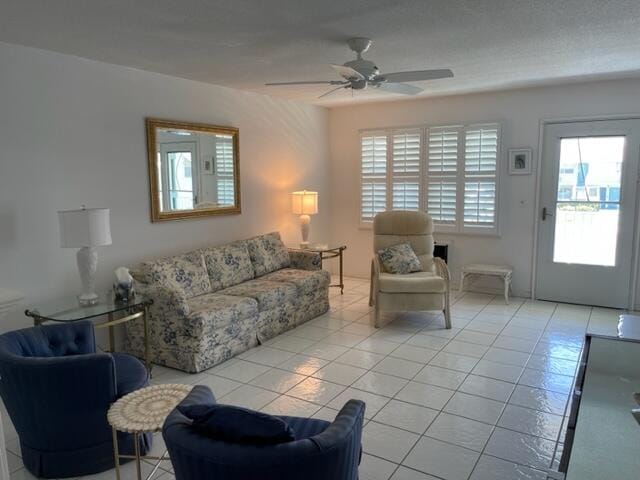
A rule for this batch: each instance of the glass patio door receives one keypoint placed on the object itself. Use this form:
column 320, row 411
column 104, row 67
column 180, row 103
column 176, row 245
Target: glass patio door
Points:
column 587, row 217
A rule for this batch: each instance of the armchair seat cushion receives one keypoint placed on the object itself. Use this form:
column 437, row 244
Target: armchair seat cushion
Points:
column 239, row 425
column 307, row 281
column 268, row 294
column 416, row 282
column 131, row 374
column 215, row 310
column 306, row 427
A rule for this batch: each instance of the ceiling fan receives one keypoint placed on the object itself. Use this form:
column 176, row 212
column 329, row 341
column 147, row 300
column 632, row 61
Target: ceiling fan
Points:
column 360, row 73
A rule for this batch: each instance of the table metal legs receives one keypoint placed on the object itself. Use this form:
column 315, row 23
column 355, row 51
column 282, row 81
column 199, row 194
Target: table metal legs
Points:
column 147, row 358
column 137, row 458
column 341, row 275
column 116, row 453
column 136, row 447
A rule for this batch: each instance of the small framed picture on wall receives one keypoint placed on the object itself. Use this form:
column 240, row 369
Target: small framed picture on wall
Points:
column 520, row 161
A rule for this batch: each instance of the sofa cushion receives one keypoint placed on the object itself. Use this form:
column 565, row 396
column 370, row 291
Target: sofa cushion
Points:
column 307, row 281
column 417, row 282
column 268, row 294
column 217, row 311
column 399, row 259
column 184, row 272
column 268, row 253
column 228, row 265
column 238, row 425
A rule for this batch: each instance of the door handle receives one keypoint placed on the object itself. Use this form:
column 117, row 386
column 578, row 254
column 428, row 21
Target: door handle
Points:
column 545, row 214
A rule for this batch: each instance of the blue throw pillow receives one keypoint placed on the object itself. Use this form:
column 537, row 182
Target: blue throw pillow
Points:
column 238, row 425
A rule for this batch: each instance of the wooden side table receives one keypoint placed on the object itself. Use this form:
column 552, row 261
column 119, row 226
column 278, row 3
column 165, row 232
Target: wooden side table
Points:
column 327, row 252
column 501, row 271
column 143, row 411
column 117, row 312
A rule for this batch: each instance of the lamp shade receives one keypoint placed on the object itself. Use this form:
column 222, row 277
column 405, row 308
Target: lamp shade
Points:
column 304, row 203
column 84, row 228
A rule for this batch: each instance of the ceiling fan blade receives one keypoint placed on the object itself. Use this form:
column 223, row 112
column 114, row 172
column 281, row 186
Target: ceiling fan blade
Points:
column 416, row 76
column 333, row 90
column 311, row 82
column 401, row 88
column 347, row 72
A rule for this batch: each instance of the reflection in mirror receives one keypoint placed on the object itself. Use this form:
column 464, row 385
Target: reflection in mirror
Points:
column 193, row 169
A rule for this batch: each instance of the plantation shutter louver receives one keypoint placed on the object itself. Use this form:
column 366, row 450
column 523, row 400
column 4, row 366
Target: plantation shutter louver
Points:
column 442, row 174
column 405, row 170
column 480, row 176
column 373, row 180
column 224, row 169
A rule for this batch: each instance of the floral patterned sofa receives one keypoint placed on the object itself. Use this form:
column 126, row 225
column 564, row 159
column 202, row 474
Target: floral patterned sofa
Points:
column 213, row 303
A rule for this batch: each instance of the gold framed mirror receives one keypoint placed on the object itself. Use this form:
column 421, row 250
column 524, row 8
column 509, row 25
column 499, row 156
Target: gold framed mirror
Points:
column 194, row 170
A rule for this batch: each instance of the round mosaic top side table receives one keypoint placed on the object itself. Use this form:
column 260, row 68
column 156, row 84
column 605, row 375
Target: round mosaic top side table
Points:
column 140, row 412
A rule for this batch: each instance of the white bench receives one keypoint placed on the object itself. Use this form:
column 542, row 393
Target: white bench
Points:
column 501, row 271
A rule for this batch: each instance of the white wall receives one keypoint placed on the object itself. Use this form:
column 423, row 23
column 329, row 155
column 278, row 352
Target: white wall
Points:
column 72, row 132
column 519, row 111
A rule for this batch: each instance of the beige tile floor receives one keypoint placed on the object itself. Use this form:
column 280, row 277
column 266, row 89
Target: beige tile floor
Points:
column 485, row 400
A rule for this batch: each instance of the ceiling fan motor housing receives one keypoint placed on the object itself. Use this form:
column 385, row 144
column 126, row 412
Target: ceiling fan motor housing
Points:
column 368, row 69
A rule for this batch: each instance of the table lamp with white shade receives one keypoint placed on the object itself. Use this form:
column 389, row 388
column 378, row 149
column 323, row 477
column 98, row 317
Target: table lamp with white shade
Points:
column 85, row 229
column 304, row 203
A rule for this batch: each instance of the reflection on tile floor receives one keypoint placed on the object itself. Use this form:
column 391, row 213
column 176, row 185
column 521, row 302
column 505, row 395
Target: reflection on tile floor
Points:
column 485, row 400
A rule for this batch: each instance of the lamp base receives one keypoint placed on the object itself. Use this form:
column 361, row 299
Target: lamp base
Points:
column 87, row 258
column 87, row 300
column 304, row 245
column 305, row 226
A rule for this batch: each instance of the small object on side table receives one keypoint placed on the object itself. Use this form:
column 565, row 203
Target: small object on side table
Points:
column 501, row 271
column 144, row 411
column 123, row 286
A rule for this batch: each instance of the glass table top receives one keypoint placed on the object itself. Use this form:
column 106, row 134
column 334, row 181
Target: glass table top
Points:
column 320, row 247
column 68, row 309
column 607, row 436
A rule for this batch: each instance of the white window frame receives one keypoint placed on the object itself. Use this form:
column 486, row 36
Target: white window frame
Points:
column 459, row 228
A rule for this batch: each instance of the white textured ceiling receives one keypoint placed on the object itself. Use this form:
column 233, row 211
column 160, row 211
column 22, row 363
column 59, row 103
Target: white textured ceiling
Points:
column 489, row 44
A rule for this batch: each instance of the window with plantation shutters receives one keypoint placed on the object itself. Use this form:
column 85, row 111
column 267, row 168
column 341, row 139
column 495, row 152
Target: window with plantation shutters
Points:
column 453, row 175
column 405, row 170
column 224, row 169
column 480, row 176
column 442, row 174
column 373, row 179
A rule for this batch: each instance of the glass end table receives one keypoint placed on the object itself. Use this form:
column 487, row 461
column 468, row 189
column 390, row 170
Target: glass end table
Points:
column 326, row 252
column 67, row 309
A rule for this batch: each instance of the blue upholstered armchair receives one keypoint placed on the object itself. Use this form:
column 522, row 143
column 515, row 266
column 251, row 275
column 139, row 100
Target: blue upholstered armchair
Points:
column 321, row 451
column 57, row 391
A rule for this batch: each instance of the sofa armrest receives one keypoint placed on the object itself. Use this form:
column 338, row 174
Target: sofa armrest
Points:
column 165, row 298
column 304, row 260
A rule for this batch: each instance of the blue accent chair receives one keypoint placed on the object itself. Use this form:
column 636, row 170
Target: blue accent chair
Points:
column 57, row 391
column 321, row 451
